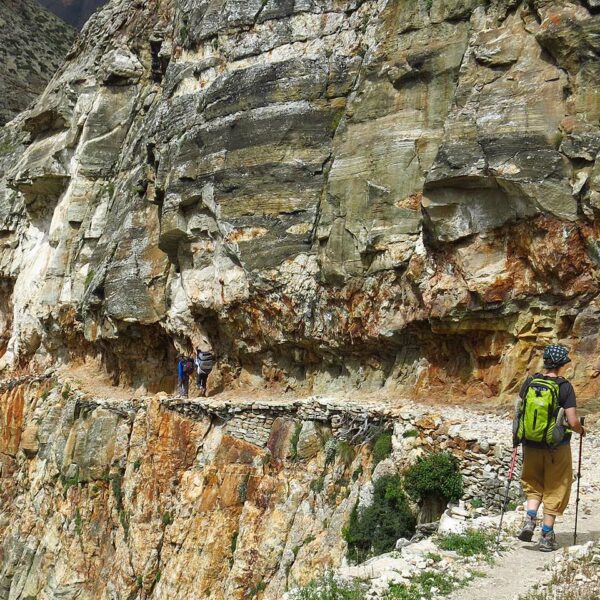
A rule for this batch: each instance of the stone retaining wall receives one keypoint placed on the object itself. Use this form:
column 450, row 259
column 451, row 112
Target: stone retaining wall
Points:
column 482, row 445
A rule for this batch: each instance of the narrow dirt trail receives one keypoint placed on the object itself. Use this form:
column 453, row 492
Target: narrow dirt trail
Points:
column 519, row 569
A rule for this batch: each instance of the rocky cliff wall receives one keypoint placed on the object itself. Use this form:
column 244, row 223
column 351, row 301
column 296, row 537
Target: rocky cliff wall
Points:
column 337, row 194
column 171, row 499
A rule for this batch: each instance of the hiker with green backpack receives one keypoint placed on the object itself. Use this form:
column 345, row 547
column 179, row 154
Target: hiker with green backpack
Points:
column 545, row 418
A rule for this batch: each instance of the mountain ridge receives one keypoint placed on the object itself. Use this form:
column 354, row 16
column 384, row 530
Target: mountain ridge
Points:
column 33, row 47
column 74, row 12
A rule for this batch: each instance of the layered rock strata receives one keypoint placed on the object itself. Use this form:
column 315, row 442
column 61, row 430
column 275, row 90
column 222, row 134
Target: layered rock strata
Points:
column 33, row 45
column 342, row 194
column 167, row 498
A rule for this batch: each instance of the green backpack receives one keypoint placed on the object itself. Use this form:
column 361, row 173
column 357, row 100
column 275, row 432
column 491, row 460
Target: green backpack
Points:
column 539, row 417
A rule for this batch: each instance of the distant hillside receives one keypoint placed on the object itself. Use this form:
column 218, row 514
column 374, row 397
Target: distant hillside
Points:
column 75, row 12
column 33, row 45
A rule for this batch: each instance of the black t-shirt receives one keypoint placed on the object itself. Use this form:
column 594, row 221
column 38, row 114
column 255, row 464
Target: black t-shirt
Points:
column 566, row 398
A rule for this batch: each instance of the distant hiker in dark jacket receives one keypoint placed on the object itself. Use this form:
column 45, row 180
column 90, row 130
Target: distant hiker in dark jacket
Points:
column 204, row 364
column 184, row 368
column 547, row 401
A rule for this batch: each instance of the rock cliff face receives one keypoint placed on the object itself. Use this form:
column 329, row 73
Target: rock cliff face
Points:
column 337, row 194
column 33, row 45
column 171, row 499
column 75, row 12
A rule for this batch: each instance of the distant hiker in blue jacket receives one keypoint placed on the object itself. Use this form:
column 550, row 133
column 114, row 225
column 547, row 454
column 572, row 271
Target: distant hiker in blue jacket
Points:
column 185, row 366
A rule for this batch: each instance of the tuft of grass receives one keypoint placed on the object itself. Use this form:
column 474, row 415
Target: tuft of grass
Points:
column 410, row 433
column 425, row 585
column 477, row 503
column 433, row 556
column 167, row 518
column 317, row 485
column 382, row 447
column 294, row 442
column 327, row 587
column 261, row 586
column 470, row 543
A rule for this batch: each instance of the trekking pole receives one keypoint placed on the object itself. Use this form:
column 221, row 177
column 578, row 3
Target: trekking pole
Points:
column 513, row 463
column 582, row 420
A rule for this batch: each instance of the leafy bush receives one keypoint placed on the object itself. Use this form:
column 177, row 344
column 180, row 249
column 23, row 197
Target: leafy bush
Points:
column 376, row 529
column 469, row 543
column 327, row 587
column 436, row 474
column 382, row 447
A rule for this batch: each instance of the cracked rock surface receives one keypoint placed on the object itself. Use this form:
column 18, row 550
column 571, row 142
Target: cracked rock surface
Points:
column 333, row 195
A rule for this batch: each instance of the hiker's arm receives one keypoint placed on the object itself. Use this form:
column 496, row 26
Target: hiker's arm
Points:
column 573, row 421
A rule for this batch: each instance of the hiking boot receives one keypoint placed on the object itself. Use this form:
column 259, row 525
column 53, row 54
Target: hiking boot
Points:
column 526, row 533
column 548, row 542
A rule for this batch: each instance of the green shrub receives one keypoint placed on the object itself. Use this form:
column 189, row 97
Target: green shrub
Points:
column 376, row 529
column 421, row 586
column 436, row 474
column 261, row 586
column 294, row 442
column 477, row 503
column 316, row 485
column 469, row 543
column 167, row 518
column 345, row 452
column 327, row 587
column 382, row 447
column 357, row 473
column 410, row 433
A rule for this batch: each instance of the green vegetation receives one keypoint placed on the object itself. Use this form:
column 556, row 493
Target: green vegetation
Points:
column 69, row 482
column 437, row 475
column 66, row 391
column 357, row 472
column 433, row 556
column 345, row 453
column 422, row 585
column 316, row 485
column 116, row 481
column 330, row 446
column 327, row 587
column 88, row 278
column 382, row 447
column 233, row 545
column 337, row 119
column 243, row 489
column 410, row 433
column 477, row 503
column 167, row 518
column 137, row 463
column 261, row 586
column 376, row 529
column 470, row 543
column 294, row 442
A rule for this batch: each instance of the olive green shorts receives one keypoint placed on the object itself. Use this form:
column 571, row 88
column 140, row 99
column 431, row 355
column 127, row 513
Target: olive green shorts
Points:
column 547, row 476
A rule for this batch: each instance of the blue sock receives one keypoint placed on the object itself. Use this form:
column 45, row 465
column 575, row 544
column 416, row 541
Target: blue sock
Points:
column 547, row 528
column 532, row 513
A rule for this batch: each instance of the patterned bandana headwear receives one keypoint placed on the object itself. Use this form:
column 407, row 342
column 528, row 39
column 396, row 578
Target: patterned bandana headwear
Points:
column 555, row 356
